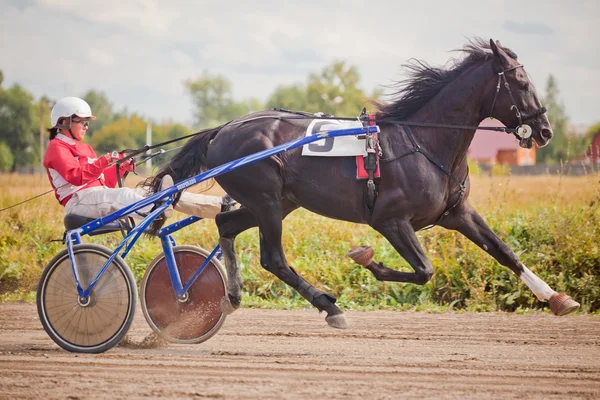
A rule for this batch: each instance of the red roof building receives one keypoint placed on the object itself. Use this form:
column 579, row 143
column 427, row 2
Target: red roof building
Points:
column 490, row 147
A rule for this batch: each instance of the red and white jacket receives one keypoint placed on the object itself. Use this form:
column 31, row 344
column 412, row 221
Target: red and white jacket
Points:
column 73, row 165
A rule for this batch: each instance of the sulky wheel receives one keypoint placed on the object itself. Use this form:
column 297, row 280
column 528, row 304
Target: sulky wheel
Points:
column 197, row 316
column 94, row 324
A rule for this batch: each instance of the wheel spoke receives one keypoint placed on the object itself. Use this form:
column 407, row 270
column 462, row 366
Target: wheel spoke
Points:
column 102, row 322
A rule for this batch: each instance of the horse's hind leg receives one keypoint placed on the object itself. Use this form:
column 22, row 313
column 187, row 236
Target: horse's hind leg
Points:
column 231, row 224
column 468, row 222
column 269, row 217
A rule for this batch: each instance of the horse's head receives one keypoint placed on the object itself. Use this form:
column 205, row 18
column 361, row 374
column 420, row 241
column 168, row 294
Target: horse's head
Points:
column 514, row 101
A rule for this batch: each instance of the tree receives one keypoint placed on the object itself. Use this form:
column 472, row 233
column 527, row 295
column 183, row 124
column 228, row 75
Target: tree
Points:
column 6, row 158
column 212, row 96
column 41, row 121
column 334, row 91
column 165, row 132
column 289, row 97
column 124, row 133
column 592, row 130
column 586, row 140
column 580, row 145
column 101, row 108
column 16, row 122
column 130, row 133
column 559, row 145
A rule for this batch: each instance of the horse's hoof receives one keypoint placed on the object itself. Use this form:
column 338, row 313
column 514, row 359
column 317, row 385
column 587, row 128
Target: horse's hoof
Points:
column 337, row 321
column 362, row 255
column 226, row 307
column 561, row 304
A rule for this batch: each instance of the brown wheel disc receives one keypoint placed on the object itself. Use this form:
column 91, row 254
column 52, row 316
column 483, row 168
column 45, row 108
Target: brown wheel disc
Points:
column 196, row 317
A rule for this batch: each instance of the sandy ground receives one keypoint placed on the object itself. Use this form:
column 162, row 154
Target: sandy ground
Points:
column 275, row 354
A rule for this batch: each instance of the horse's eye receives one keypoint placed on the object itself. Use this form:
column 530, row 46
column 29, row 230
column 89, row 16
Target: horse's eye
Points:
column 524, row 86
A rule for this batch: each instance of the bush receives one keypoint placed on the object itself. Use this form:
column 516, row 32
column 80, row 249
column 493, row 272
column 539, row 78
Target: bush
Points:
column 551, row 223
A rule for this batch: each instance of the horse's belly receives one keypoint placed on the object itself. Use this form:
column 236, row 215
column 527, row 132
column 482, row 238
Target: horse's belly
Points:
column 327, row 187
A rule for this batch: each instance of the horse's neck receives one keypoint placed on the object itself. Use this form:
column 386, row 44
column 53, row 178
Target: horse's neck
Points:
column 459, row 103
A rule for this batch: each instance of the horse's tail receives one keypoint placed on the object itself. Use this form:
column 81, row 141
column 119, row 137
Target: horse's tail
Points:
column 188, row 162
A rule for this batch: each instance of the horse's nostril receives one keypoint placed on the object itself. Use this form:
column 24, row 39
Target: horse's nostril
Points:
column 547, row 134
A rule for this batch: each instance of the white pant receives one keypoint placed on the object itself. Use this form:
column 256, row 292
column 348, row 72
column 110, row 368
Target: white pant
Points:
column 97, row 202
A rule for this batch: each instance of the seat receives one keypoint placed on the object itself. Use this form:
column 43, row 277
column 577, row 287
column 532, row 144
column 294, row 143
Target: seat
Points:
column 123, row 225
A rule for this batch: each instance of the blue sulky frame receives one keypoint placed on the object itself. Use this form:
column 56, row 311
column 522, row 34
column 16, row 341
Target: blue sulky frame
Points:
column 73, row 237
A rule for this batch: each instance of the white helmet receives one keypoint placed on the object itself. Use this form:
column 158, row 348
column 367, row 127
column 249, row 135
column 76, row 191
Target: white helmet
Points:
column 68, row 106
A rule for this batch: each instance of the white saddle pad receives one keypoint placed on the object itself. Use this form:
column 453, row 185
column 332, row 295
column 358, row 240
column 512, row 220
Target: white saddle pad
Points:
column 342, row 146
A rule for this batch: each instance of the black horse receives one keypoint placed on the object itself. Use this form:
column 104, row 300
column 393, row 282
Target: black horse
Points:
column 424, row 173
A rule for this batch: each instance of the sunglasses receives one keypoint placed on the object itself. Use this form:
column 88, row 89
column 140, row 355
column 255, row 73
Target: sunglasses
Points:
column 83, row 122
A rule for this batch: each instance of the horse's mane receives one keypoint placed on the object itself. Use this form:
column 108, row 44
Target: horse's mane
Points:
column 425, row 81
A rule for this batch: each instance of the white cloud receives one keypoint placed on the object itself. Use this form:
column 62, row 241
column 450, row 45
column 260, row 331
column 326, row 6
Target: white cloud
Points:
column 139, row 52
column 100, row 57
column 149, row 17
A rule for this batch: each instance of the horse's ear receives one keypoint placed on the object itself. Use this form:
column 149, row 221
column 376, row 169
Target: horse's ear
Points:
column 493, row 46
column 500, row 54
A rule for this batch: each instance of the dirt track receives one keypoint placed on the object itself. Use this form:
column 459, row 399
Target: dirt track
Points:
column 293, row 354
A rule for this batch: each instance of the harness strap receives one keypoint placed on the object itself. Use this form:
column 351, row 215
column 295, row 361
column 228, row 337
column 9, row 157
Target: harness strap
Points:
column 461, row 184
column 301, row 115
column 371, row 163
column 419, row 149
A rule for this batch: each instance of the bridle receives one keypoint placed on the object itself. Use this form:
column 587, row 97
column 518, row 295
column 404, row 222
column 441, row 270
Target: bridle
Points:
column 523, row 131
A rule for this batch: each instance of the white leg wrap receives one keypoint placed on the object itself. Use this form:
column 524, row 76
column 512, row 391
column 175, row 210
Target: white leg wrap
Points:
column 540, row 288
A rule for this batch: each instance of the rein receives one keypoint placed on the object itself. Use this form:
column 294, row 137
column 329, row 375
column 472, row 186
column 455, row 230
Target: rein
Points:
column 522, row 132
column 380, row 120
column 119, row 178
column 25, row 201
column 141, row 160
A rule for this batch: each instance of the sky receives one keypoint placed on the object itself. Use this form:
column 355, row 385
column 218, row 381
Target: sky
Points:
column 139, row 52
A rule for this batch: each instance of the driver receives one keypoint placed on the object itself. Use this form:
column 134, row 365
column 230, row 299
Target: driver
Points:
column 85, row 184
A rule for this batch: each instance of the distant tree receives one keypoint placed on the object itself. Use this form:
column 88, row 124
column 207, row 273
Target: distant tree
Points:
column 40, row 121
column 124, row 133
column 16, row 122
column 130, row 133
column 586, row 140
column 292, row 97
column 558, row 148
column 101, row 108
column 592, row 130
column 581, row 144
column 165, row 132
column 335, row 90
column 213, row 98
column 6, row 158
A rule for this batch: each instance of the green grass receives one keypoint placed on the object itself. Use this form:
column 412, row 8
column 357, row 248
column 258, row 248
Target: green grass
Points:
column 552, row 223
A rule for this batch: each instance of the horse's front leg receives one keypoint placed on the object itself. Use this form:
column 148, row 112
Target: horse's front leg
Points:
column 468, row 222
